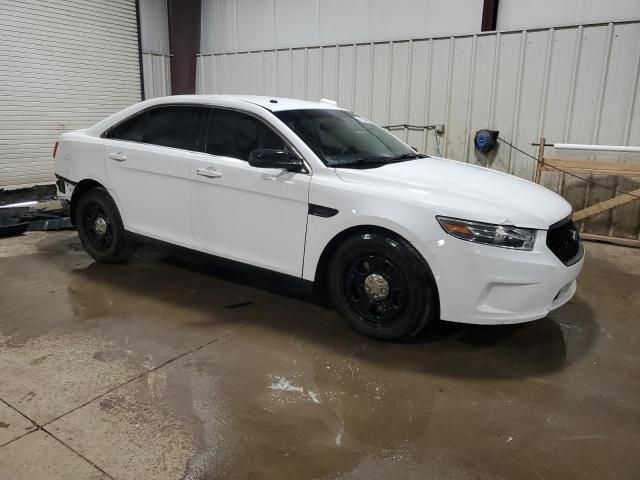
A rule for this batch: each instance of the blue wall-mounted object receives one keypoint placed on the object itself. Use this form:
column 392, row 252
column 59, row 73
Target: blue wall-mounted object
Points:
column 485, row 140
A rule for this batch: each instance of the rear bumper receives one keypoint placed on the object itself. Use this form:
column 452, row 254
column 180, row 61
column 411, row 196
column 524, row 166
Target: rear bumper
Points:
column 64, row 192
column 481, row 284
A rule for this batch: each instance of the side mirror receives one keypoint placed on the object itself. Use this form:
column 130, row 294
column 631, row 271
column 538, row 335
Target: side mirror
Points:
column 272, row 158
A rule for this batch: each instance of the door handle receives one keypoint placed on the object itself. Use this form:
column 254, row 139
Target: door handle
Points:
column 118, row 157
column 205, row 172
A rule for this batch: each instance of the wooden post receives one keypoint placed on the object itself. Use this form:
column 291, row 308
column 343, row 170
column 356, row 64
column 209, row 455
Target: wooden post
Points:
column 540, row 164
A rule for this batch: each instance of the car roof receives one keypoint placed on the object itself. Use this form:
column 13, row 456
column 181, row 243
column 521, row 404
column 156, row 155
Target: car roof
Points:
column 248, row 102
column 273, row 104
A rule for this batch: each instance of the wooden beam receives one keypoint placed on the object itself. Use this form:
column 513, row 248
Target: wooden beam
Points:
column 595, row 167
column 626, row 242
column 606, row 205
column 489, row 15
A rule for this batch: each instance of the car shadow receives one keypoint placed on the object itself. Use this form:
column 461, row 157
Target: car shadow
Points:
column 168, row 277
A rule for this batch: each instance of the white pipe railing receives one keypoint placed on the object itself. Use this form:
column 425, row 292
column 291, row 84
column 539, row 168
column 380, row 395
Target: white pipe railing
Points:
column 596, row 148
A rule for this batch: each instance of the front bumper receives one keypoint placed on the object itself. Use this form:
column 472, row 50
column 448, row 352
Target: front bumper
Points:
column 488, row 285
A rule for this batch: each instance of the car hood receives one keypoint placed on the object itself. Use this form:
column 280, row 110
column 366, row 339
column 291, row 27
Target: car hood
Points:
column 460, row 190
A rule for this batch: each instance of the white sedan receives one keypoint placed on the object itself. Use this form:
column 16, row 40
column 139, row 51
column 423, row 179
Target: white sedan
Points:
column 315, row 192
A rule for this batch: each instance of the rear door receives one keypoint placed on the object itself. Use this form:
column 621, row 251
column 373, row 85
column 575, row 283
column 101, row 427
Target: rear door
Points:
column 253, row 215
column 149, row 163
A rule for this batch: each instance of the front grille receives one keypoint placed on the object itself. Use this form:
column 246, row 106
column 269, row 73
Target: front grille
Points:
column 564, row 241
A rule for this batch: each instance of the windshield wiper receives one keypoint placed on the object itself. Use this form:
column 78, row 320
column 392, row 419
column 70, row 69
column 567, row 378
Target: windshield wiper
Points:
column 408, row 156
column 378, row 161
column 364, row 162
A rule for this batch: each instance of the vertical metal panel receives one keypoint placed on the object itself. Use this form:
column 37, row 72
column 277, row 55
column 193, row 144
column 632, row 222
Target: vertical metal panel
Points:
column 298, row 73
column 576, row 84
column 329, row 63
column 456, row 133
column 438, row 89
column 154, row 26
column 284, row 73
column 243, row 67
column 417, row 92
column 364, row 79
column 532, row 90
column 506, row 79
column 314, row 74
column 157, row 74
column 483, row 93
column 346, row 76
column 154, row 36
column 399, row 75
column 270, row 74
column 256, row 72
column 218, row 26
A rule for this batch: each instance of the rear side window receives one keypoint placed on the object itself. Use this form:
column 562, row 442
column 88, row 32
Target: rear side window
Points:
column 173, row 126
column 234, row 134
column 130, row 130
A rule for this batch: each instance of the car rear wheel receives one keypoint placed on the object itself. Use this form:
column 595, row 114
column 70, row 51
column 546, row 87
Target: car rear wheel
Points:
column 100, row 227
column 382, row 286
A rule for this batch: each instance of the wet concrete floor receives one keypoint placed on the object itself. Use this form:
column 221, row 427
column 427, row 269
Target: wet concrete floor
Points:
column 169, row 367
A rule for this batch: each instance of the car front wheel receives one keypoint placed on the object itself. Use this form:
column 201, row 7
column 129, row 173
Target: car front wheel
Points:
column 382, row 286
column 100, row 227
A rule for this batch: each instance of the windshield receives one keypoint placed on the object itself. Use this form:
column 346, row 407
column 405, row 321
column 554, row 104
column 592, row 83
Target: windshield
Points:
column 342, row 139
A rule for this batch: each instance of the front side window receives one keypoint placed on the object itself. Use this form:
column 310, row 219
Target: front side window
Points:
column 342, row 139
column 235, row 134
column 173, row 126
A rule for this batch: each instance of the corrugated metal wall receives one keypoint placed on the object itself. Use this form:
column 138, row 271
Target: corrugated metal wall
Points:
column 63, row 66
column 575, row 84
column 154, row 39
column 546, row 13
column 232, row 25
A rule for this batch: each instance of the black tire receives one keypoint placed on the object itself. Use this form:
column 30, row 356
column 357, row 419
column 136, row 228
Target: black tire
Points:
column 411, row 300
column 115, row 244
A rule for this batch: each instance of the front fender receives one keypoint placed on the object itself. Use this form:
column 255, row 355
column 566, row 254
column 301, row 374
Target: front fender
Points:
column 357, row 206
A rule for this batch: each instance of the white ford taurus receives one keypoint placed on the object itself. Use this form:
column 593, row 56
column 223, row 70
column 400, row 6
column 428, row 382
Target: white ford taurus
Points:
column 316, row 192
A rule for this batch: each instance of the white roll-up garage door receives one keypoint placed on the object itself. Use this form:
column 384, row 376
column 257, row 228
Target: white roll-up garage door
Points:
column 63, row 65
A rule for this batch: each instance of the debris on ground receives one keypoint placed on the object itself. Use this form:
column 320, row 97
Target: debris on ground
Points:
column 39, row 212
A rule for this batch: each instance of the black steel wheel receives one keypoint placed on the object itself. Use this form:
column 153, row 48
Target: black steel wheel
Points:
column 376, row 289
column 100, row 227
column 382, row 286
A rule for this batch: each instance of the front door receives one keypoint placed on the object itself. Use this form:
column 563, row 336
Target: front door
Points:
column 148, row 161
column 252, row 215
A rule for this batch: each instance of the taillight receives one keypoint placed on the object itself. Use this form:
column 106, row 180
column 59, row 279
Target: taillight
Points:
column 55, row 149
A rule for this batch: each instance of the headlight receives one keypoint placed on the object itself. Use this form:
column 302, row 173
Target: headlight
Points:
column 489, row 234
